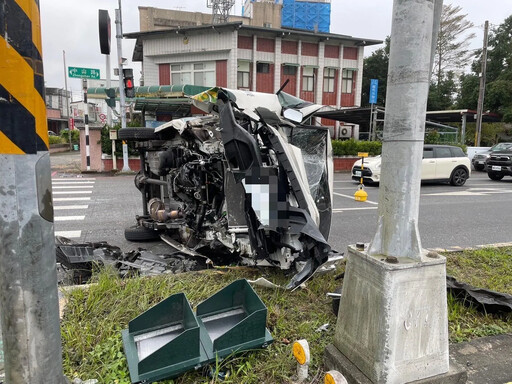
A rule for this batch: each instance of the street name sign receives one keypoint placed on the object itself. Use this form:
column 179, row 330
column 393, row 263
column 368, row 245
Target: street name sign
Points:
column 84, row 73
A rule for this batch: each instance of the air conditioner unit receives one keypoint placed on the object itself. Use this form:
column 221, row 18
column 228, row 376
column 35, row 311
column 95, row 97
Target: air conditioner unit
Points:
column 345, row 131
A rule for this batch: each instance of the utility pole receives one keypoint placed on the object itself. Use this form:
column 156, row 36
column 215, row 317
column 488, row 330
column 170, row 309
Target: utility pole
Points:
column 481, row 92
column 392, row 322
column 68, row 112
column 28, row 279
column 119, row 37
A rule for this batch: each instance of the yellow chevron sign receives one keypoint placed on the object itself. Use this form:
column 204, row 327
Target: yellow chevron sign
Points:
column 23, row 111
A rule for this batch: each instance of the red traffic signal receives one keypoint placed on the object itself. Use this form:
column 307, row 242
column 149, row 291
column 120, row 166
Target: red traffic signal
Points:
column 129, row 91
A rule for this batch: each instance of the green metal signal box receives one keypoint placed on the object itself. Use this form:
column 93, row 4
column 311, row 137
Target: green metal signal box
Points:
column 169, row 339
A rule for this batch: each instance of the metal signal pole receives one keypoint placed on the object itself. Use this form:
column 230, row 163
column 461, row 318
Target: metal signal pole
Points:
column 481, row 92
column 119, row 37
column 28, row 279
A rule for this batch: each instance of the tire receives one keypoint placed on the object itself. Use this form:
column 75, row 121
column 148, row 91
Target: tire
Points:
column 495, row 176
column 136, row 133
column 478, row 167
column 459, row 177
column 137, row 233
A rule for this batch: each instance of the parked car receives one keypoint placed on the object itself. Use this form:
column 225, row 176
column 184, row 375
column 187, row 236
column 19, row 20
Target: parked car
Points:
column 249, row 184
column 499, row 164
column 441, row 163
column 51, row 133
column 479, row 159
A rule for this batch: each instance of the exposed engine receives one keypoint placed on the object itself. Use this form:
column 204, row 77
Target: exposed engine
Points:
column 234, row 188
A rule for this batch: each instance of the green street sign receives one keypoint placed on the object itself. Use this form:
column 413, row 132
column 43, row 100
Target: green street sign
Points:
column 84, row 73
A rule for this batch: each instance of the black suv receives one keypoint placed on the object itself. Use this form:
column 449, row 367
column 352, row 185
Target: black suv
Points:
column 499, row 164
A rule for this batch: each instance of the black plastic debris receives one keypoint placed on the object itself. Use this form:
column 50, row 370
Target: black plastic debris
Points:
column 483, row 299
column 77, row 261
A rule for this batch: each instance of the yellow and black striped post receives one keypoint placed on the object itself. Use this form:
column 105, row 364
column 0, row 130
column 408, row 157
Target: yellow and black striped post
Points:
column 28, row 279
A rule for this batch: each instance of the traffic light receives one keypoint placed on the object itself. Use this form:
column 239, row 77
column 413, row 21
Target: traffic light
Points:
column 129, row 90
column 111, row 97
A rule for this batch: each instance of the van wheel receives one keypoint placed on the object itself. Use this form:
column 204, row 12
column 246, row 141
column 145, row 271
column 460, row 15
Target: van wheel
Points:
column 137, row 133
column 459, row 177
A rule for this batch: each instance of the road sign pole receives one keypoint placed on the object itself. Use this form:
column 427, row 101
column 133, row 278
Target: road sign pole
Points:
column 119, row 37
column 86, row 124
column 28, row 280
column 68, row 112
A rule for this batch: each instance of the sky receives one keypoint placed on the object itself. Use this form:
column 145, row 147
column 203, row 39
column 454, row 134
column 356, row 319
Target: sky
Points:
column 72, row 26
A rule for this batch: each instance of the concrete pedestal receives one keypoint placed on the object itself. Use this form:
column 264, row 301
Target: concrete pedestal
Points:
column 392, row 322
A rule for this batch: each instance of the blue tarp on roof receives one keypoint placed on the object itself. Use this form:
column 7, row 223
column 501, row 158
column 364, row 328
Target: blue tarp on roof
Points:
column 306, row 15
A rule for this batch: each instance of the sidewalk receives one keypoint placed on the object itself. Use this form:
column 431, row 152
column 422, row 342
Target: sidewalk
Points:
column 65, row 162
column 487, row 360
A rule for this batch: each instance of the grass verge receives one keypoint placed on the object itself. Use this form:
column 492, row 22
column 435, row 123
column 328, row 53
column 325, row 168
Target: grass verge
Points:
column 94, row 318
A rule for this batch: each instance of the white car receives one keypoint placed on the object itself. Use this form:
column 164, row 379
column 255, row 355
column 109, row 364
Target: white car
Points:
column 442, row 163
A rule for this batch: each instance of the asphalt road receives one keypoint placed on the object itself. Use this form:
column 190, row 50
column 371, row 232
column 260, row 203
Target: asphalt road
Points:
column 97, row 208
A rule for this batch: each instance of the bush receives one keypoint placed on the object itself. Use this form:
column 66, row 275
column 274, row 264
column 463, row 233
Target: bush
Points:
column 75, row 136
column 106, row 143
column 352, row 147
column 55, row 140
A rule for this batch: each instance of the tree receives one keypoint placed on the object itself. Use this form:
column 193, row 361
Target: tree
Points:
column 498, row 97
column 468, row 91
column 376, row 67
column 442, row 94
column 452, row 43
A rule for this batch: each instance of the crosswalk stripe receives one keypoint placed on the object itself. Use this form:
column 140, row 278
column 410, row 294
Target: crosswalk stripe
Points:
column 72, row 186
column 59, row 182
column 68, row 234
column 74, row 179
column 69, row 218
column 71, row 199
column 70, row 192
column 64, row 207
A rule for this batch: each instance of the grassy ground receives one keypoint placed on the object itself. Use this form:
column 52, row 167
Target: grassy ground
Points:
column 94, row 318
column 484, row 268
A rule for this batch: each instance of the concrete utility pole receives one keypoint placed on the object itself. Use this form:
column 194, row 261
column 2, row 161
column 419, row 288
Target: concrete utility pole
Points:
column 122, row 103
column 68, row 112
column 392, row 323
column 481, row 92
column 28, row 280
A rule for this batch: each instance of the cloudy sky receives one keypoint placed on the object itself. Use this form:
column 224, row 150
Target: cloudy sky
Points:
column 72, row 26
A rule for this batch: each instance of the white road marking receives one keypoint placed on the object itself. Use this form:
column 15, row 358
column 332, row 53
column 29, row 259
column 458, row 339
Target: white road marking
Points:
column 470, row 192
column 72, row 186
column 352, row 197
column 68, row 234
column 338, row 210
column 64, row 182
column 63, row 207
column 74, row 178
column 71, row 198
column 69, row 218
column 70, row 192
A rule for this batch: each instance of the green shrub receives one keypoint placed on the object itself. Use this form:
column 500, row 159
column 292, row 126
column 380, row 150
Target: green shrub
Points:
column 75, row 136
column 55, row 139
column 106, row 143
column 352, row 147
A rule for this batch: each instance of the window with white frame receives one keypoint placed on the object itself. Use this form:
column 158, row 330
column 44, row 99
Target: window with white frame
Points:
column 243, row 74
column 290, row 70
column 329, row 75
column 193, row 73
column 347, row 84
column 308, row 79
